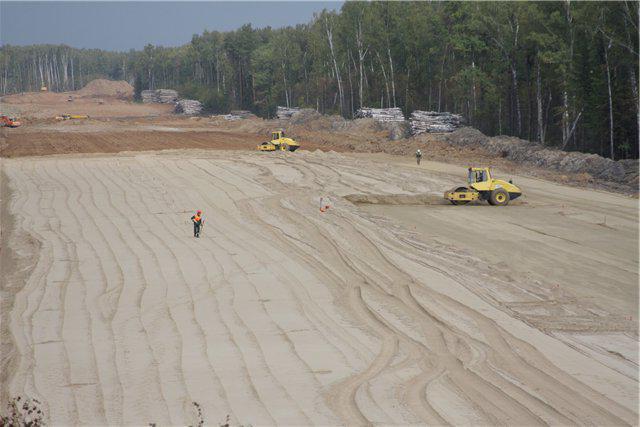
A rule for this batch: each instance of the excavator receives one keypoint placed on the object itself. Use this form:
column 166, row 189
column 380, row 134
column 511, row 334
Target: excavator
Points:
column 482, row 186
column 279, row 142
column 10, row 122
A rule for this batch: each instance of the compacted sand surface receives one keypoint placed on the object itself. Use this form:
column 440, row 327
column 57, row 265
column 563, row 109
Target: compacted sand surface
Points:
column 389, row 308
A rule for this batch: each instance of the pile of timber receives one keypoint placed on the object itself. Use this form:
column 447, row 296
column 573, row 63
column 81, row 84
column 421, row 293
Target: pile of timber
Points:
column 434, row 122
column 159, row 96
column 230, row 117
column 236, row 115
column 241, row 114
column 381, row 114
column 285, row 112
column 189, row 107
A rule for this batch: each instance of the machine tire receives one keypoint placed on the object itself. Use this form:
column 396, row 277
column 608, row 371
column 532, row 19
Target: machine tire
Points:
column 499, row 197
column 284, row 147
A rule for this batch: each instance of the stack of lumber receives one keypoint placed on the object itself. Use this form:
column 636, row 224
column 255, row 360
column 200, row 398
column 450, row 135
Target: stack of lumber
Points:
column 381, row 114
column 434, row 122
column 241, row 114
column 189, row 107
column 285, row 113
column 229, row 117
column 160, row 96
column 148, row 96
column 237, row 115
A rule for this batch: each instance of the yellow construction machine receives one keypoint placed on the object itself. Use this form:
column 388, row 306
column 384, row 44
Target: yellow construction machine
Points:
column 72, row 117
column 279, row 142
column 483, row 187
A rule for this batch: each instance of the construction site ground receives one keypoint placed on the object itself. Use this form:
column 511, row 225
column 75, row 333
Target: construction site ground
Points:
column 391, row 307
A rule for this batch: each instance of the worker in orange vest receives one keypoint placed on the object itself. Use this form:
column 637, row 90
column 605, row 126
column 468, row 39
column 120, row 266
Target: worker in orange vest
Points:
column 198, row 222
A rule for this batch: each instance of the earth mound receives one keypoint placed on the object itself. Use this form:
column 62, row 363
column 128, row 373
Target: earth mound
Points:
column 533, row 153
column 107, row 88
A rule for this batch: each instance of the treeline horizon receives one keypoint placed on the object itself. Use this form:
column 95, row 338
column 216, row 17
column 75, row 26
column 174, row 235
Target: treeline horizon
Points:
column 562, row 73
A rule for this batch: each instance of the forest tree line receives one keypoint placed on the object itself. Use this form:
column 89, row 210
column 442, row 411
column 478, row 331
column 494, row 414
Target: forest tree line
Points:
column 563, row 73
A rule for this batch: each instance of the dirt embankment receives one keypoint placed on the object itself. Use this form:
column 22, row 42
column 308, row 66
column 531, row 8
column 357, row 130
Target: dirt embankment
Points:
column 534, row 154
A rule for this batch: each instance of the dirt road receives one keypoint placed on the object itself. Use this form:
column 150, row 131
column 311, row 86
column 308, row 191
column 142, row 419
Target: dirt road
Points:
column 282, row 314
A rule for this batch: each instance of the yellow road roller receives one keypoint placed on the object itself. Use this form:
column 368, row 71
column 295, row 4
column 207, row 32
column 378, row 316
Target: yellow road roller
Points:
column 482, row 186
column 279, row 142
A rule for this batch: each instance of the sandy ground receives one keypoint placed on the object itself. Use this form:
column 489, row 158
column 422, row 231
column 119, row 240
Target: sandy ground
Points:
column 397, row 309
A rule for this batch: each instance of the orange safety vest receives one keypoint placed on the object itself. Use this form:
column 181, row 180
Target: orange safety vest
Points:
column 196, row 218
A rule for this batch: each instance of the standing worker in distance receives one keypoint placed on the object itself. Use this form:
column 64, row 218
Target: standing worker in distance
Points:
column 418, row 156
column 198, row 222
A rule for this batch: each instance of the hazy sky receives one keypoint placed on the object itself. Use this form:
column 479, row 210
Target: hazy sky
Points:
column 126, row 25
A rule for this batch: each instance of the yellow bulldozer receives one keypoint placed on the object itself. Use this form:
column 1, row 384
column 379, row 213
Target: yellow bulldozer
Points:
column 482, row 186
column 279, row 142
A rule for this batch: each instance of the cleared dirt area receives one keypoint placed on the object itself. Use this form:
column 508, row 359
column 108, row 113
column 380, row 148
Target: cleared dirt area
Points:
column 44, row 143
column 388, row 308
column 91, row 107
column 141, row 137
column 99, row 99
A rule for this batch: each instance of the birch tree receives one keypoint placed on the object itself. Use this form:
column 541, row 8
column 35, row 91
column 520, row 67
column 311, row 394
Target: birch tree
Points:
column 329, row 29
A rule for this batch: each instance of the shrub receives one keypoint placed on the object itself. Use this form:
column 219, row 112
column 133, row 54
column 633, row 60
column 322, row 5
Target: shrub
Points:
column 23, row 412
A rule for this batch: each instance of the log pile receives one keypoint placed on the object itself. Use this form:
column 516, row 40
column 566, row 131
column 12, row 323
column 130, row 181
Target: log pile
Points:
column 305, row 115
column 236, row 115
column 159, row 96
column 229, row 117
column 241, row 114
column 189, row 107
column 284, row 113
column 381, row 114
column 434, row 122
